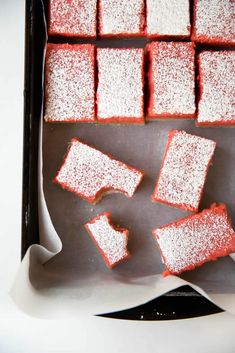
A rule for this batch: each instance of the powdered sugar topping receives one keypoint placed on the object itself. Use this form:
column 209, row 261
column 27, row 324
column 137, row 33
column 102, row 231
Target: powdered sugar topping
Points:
column 70, row 83
column 215, row 19
column 112, row 242
column 196, row 239
column 172, row 73
column 121, row 17
column 87, row 171
column 120, row 83
column 73, row 17
column 168, row 17
column 184, row 170
column 217, row 80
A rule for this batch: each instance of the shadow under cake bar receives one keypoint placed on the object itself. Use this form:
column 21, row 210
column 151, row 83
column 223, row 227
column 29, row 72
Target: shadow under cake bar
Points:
column 111, row 241
column 183, row 171
column 194, row 240
column 171, row 80
column 90, row 173
column 70, row 83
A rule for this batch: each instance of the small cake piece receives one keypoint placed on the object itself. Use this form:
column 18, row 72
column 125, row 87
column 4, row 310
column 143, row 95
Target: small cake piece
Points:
column 120, row 85
column 89, row 173
column 214, row 22
column 70, row 83
column 217, row 88
column 168, row 18
column 72, row 18
column 184, row 169
column 171, row 80
column 111, row 241
column 194, row 240
column 121, row 18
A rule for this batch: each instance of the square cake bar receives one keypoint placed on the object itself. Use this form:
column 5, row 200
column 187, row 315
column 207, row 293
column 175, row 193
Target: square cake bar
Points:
column 194, row 240
column 171, row 80
column 72, row 18
column 168, row 19
column 216, row 104
column 70, row 83
column 183, row 171
column 120, row 96
column 121, row 18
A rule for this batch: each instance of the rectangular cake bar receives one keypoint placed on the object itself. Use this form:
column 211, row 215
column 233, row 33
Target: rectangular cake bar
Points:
column 89, row 173
column 183, row 171
column 121, row 18
column 72, row 18
column 171, row 80
column 194, row 240
column 70, row 83
column 120, row 96
column 216, row 104
column 168, row 19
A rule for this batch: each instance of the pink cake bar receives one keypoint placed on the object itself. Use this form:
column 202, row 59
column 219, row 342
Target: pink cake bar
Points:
column 171, row 80
column 184, row 169
column 89, row 173
column 110, row 240
column 70, row 83
column 121, row 18
column 194, row 240
column 214, row 22
column 72, row 18
column 120, row 85
column 217, row 88
column 168, row 18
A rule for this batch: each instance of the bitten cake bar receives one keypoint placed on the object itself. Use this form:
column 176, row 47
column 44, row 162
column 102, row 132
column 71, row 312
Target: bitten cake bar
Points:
column 168, row 18
column 120, row 85
column 194, row 240
column 121, row 18
column 89, row 173
column 72, row 18
column 110, row 240
column 214, row 22
column 171, row 80
column 70, row 83
column 184, row 169
column 216, row 88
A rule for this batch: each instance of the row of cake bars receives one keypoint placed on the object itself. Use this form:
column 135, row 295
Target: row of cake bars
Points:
column 184, row 244
column 113, row 85
column 213, row 20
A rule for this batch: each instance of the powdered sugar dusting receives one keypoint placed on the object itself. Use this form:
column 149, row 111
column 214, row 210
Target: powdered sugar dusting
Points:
column 70, row 87
column 195, row 240
column 217, row 81
column 111, row 242
column 168, row 17
column 121, row 17
column 215, row 20
column 87, row 171
column 73, row 17
column 184, row 170
column 172, row 76
column 120, row 84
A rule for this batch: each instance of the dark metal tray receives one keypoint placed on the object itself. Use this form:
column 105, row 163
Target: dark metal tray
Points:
column 183, row 303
